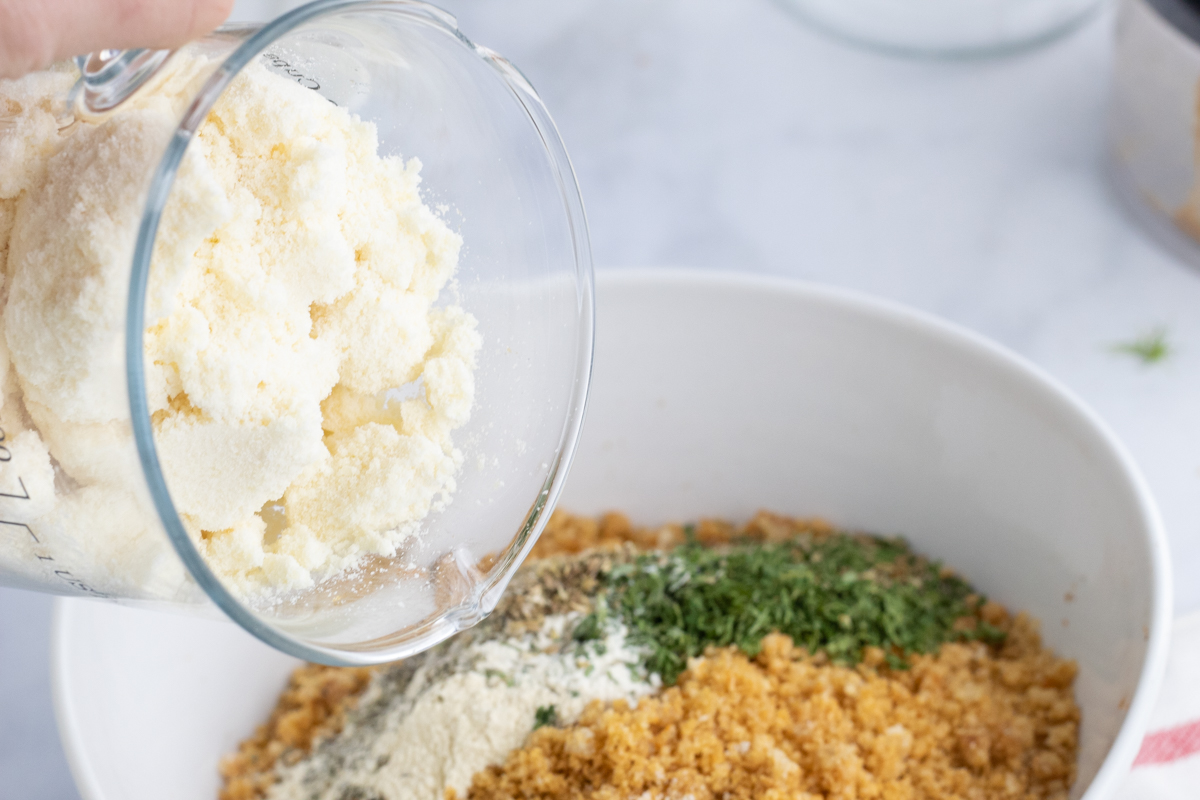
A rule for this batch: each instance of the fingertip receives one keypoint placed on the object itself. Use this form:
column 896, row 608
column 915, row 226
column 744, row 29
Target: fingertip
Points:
column 209, row 14
column 98, row 24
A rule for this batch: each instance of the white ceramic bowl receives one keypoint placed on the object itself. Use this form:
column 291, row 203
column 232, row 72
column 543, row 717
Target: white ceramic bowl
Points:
column 719, row 395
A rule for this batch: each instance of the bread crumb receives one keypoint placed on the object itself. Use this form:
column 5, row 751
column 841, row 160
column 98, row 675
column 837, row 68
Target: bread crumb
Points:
column 313, row 706
column 567, row 534
column 962, row 723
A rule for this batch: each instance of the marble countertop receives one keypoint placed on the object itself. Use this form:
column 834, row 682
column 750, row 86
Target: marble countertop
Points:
column 728, row 136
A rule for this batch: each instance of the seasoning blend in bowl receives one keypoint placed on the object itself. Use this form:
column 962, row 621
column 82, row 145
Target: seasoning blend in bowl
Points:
column 276, row 311
column 776, row 659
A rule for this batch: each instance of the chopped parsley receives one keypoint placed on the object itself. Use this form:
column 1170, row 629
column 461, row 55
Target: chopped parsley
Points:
column 545, row 715
column 835, row 594
column 591, row 627
column 1149, row 348
column 503, row 676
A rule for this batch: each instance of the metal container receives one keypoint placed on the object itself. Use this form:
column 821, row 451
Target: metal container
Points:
column 1154, row 118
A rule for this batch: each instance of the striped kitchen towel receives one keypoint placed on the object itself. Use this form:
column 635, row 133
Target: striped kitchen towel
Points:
column 1168, row 765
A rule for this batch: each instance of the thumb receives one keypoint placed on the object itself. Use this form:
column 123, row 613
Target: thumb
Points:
column 36, row 33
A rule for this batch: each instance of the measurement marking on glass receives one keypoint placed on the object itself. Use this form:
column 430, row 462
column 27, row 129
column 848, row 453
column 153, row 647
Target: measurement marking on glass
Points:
column 63, row 575
column 284, row 66
column 28, row 529
column 289, row 70
column 23, row 489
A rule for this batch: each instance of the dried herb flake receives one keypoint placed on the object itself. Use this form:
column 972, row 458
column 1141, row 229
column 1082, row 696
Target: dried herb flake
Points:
column 838, row 595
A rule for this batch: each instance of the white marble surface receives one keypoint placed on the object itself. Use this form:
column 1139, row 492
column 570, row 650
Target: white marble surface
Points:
column 728, row 136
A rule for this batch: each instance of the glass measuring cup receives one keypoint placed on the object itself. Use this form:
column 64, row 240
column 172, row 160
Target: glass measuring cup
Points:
column 84, row 506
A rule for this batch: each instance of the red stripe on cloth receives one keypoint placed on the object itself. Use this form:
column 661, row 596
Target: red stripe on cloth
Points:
column 1167, row 745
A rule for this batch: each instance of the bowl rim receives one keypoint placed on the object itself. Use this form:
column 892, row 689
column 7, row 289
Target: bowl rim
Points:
column 1125, row 745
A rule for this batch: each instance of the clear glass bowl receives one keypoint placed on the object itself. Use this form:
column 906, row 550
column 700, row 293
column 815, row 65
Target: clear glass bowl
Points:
column 494, row 164
column 945, row 28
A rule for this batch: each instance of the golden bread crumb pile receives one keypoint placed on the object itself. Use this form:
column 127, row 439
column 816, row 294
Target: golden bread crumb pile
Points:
column 566, row 534
column 965, row 723
column 313, row 705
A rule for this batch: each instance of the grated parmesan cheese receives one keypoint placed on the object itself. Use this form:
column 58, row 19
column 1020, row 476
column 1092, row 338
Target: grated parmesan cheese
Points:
column 296, row 272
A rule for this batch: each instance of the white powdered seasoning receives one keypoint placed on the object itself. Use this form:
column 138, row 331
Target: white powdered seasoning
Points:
column 463, row 707
column 294, row 281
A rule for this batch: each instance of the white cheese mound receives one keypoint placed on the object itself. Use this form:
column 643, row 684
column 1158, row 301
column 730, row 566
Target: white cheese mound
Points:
column 293, row 287
column 464, row 708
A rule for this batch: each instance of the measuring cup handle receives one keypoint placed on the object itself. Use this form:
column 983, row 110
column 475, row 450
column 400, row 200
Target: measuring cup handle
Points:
column 108, row 77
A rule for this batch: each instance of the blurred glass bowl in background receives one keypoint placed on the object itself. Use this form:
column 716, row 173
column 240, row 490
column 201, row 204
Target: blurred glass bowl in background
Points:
column 945, row 28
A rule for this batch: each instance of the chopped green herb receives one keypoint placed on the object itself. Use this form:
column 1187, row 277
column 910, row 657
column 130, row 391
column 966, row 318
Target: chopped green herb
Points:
column 591, row 627
column 838, row 594
column 1149, row 348
column 989, row 634
column 504, row 676
column 587, row 629
column 545, row 715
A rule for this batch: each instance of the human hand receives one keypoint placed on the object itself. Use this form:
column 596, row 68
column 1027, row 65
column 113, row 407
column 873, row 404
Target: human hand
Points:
column 36, row 33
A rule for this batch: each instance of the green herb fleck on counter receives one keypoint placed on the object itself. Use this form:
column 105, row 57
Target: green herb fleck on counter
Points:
column 1150, row 348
